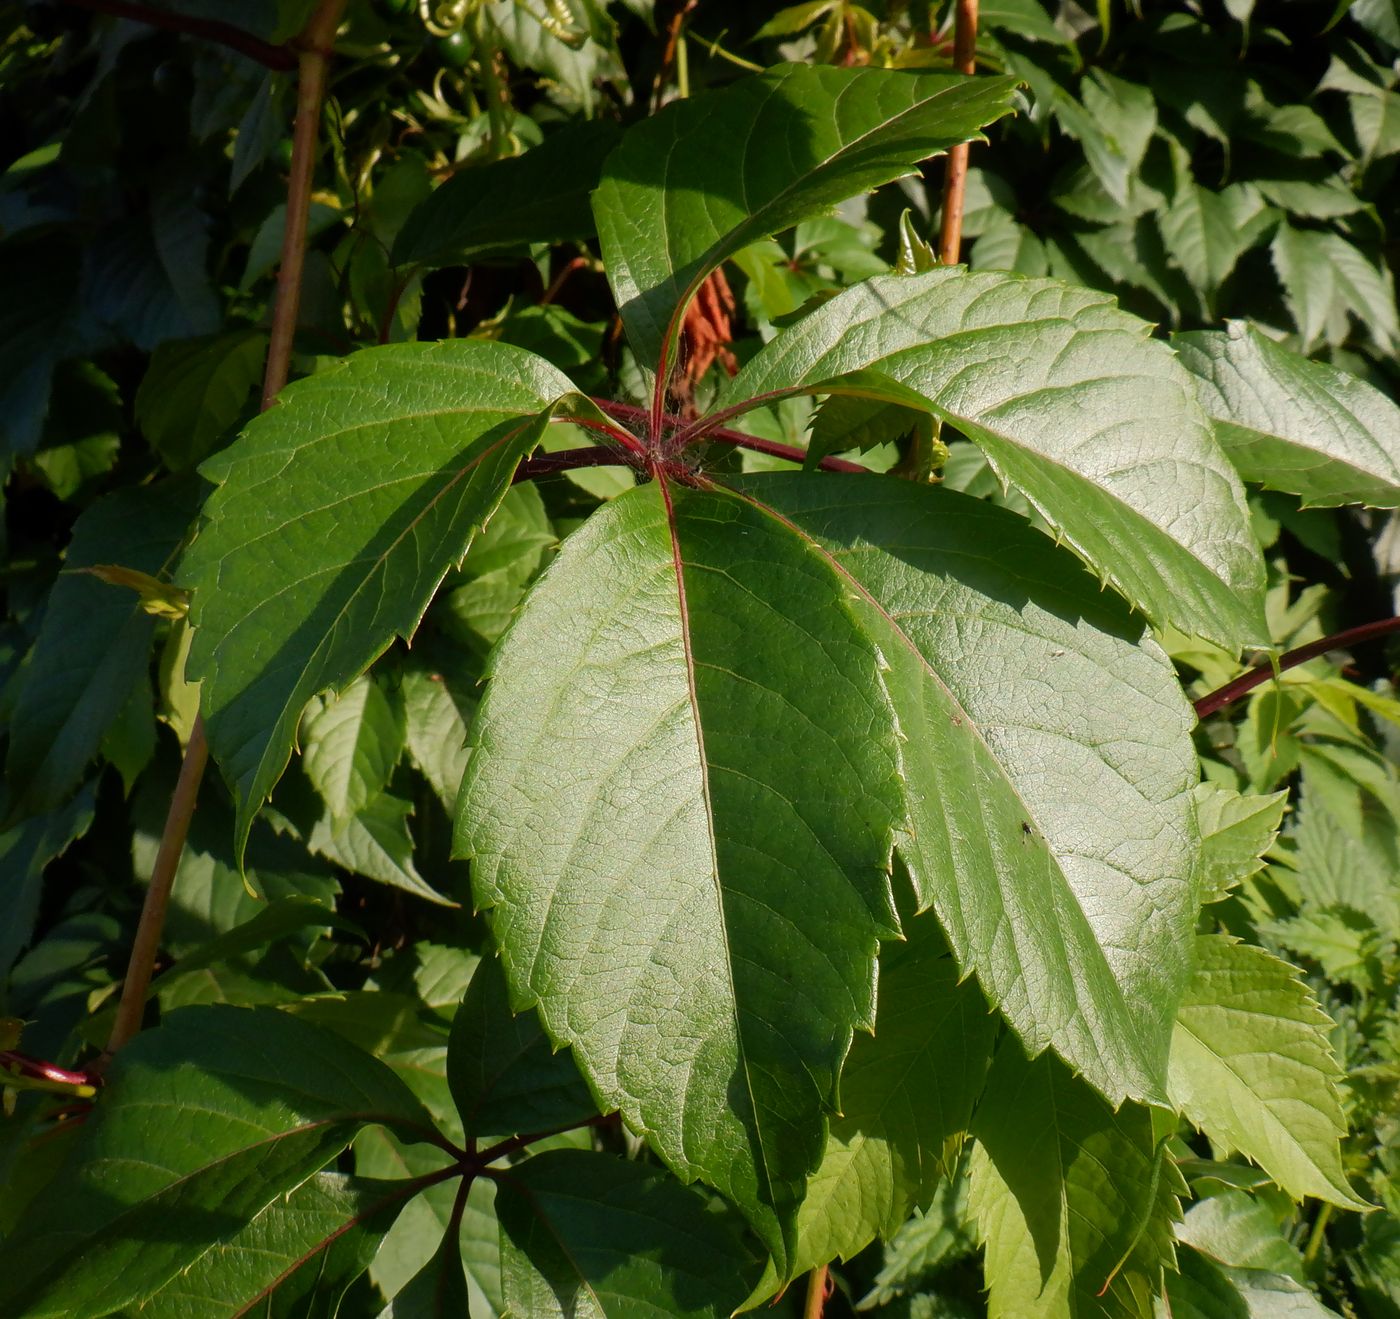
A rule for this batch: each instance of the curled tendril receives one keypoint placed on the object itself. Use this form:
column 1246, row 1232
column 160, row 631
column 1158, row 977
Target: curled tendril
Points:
column 444, row 17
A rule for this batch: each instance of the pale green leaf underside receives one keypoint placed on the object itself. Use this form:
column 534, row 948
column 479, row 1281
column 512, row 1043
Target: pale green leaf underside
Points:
column 1023, row 693
column 680, row 803
column 1075, row 405
column 1073, row 1201
column 1252, row 1067
column 1292, row 424
column 337, row 514
column 710, row 175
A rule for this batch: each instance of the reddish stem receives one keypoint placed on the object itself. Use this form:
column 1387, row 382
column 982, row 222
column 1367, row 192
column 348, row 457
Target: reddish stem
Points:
column 44, row 1071
column 1261, row 673
column 568, row 460
column 278, row 58
column 955, row 180
column 772, row 447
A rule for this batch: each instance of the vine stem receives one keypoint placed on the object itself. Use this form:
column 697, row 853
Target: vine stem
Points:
column 1261, row 673
column 314, row 48
column 816, row 1292
column 278, row 58
column 955, row 180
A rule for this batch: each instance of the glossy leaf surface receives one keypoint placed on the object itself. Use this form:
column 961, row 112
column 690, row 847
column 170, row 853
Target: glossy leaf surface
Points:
column 337, row 514
column 811, row 137
column 1295, row 425
column 680, row 804
column 1078, row 924
column 1070, row 400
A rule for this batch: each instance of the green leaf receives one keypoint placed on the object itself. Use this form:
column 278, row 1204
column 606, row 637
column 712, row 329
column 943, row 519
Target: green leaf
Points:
column 906, row 1097
column 25, row 849
column 1079, row 928
column 375, row 842
column 540, row 197
column 1327, row 282
column 298, row 589
column 1074, row 1202
column 1114, row 126
column 1252, row 1067
column 652, row 808
column 94, row 644
column 204, row 1122
column 506, row 1078
column 437, row 711
column 1207, row 232
column 1070, row 399
column 812, row 137
column 194, row 390
column 1235, row 1229
column 1295, row 425
column 319, row 1237
column 1236, row 831
column 1207, row 1290
column 590, row 1236
column 437, row 1291
column 351, row 744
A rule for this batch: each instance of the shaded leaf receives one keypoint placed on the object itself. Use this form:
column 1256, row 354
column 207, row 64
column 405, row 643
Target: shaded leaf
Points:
column 204, row 1122
column 351, row 744
column 540, row 197
column 1327, row 282
column 589, row 1236
column 1073, row 1201
column 814, row 136
column 506, row 1078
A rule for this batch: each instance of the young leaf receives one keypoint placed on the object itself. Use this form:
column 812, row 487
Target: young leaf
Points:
column 94, row 643
column 1252, row 1067
column 588, row 1234
column 506, row 1078
column 680, row 804
column 204, row 1122
column 1295, row 425
column 317, row 1238
column 350, row 745
column 540, row 197
column 337, row 514
column 1074, row 1202
column 1078, row 923
column 1236, row 831
column 1069, row 399
column 906, row 1097
column 671, row 207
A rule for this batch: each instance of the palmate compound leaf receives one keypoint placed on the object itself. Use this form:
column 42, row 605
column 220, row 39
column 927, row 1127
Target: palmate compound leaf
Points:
column 1074, row 404
column 1252, row 1067
column 680, row 804
column 671, row 206
column 338, row 513
column 1292, row 424
column 591, row 1236
column 204, row 1122
column 1045, row 744
column 699, row 734
column 1074, row 1202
